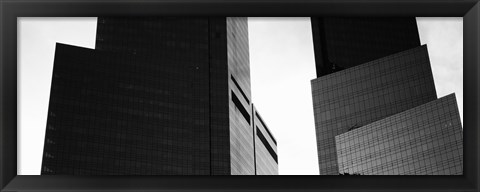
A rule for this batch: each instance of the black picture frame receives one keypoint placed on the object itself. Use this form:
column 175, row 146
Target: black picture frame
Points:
column 11, row 9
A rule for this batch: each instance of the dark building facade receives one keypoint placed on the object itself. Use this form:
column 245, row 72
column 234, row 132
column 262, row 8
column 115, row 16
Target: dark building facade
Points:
column 157, row 96
column 343, row 42
column 366, row 93
column 425, row 140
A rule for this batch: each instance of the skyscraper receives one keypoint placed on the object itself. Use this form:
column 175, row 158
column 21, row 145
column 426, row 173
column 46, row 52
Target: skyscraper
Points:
column 157, row 96
column 424, row 140
column 366, row 93
column 343, row 42
column 368, row 69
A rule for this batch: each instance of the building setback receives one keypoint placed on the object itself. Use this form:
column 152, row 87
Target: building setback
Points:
column 425, row 140
column 367, row 69
column 157, row 96
column 341, row 43
column 366, row 93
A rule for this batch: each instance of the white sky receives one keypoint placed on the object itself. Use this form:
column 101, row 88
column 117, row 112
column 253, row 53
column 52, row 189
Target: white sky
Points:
column 282, row 65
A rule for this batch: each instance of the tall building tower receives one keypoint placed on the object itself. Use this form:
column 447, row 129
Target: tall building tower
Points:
column 424, row 140
column 368, row 69
column 343, row 42
column 157, row 96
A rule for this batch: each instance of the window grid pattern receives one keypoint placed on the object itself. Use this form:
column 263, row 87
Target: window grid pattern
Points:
column 366, row 93
column 114, row 110
column 114, row 113
column 219, row 113
column 425, row 140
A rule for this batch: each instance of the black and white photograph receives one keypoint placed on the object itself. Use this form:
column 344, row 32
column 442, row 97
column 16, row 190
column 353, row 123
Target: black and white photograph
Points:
column 182, row 95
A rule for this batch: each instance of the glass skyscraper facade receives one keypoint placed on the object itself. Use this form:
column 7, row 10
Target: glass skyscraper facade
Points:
column 343, row 42
column 157, row 96
column 367, row 69
column 424, row 140
column 366, row 93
